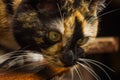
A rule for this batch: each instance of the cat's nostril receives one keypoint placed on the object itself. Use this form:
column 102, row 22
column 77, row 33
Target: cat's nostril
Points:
column 79, row 52
column 68, row 58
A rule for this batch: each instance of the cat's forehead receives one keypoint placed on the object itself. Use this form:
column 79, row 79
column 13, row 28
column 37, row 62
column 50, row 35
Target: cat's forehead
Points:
column 55, row 14
column 56, row 24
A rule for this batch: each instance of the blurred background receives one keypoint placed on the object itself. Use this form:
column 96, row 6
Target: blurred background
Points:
column 109, row 27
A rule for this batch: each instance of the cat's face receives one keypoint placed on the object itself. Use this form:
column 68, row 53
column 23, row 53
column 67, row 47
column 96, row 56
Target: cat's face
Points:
column 57, row 29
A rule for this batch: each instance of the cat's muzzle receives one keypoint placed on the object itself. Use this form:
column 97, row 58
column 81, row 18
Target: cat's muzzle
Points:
column 70, row 57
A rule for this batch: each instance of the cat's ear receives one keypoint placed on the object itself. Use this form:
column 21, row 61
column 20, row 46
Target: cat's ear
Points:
column 96, row 6
column 47, row 5
column 43, row 5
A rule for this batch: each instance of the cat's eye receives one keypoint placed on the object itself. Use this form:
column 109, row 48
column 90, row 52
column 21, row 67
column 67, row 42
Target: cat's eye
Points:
column 54, row 36
column 82, row 41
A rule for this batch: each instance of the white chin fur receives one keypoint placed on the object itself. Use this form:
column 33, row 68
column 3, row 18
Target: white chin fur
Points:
column 35, row 56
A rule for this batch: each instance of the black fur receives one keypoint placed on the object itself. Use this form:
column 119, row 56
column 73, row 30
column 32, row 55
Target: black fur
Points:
column 9, row 6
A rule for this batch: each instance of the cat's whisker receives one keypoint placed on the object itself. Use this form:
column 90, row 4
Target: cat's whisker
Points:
column 91, row 19
column 56, row 78
column 96, row 64
column 101, row 15
column 10, row 53
column 31, row 67
column 72, row 73
column 8, row 56
column 90, row 2
column 75, row 68
column 10, row 64
column 82, row 76
column 21, row 59
column 92, row 72
column 23, row 48
column 108, row 3
column 91, row 60
column 62, row 17
column 62, row 77
column 109, row 12
column 102, row 70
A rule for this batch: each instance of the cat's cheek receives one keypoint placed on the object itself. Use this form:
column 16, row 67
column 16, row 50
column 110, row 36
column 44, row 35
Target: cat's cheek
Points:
column 90, row 29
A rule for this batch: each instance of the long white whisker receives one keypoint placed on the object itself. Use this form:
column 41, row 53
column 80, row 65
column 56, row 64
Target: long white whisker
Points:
column 7, row 55
column 89, row 20
column 86, row 63
column 77, row 72
column 13, row 62
column 90, row 71
column 108, row 3
column 72, row 74
column 88, row 60
column 108, row 13
column 34, row 67
column 62, row 77
column 102, row 70
column 62, row 17
column 56, row 78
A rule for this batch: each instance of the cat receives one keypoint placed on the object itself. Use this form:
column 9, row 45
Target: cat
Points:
column 47, row 37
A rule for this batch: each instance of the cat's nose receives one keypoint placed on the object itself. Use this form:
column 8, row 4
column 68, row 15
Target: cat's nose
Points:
column 70, row 57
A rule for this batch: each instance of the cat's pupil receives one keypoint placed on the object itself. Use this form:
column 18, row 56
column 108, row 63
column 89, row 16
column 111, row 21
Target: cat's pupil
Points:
column 54, row 36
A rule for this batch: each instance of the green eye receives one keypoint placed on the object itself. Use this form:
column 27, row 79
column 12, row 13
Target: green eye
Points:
column 54, row 36
column 82, row 41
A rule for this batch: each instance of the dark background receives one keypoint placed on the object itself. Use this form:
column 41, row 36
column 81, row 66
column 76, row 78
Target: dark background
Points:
column 109, row 27
column 110, row 23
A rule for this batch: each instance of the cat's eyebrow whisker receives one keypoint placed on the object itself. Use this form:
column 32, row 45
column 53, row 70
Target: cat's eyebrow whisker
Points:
column 99, row 16
column 92, row 72
column 75, row 68
column 62, row 17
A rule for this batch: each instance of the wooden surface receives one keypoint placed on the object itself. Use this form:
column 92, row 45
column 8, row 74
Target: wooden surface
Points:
column 104, row 45
column 19, row 76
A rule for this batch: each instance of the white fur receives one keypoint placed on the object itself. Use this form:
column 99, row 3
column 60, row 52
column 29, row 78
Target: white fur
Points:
column 57, row 24
column 35, row 56
column 90, row 30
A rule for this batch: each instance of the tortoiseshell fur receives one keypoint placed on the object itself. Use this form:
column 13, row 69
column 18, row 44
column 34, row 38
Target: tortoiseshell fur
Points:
column 26, row 27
